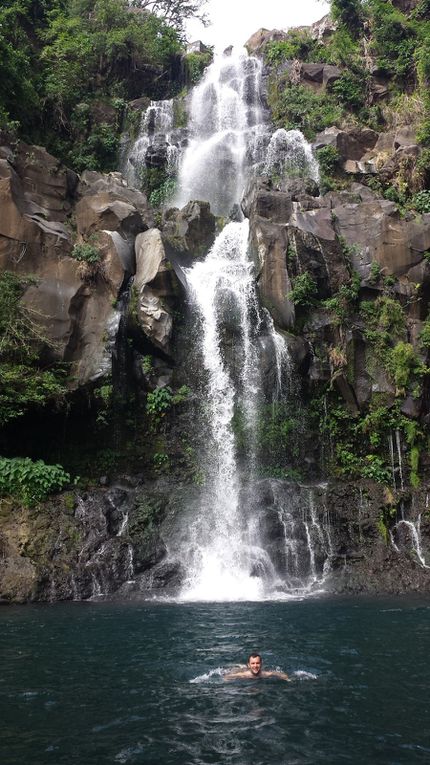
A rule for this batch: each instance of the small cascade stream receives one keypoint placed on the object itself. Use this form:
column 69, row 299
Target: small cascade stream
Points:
column 155, row 143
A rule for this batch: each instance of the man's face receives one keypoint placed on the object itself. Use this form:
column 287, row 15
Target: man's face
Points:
column 254, row 665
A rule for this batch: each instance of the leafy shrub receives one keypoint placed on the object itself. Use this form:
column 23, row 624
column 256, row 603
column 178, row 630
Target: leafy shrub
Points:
column 350, row 89
column 298, row 45
column 421, row 201
column 299, row 107
column 86, row 253
column 348, row 13
column 344, row 302
column 304, row 290
column 328, row 158
column 394, row 38
column 159, row 401
column 24, row 381
column 374, row 272
column 195, row 64
column 374, row 467
column 29, row 481
column 161, row 462
column 161, row 195
column 401, row 362
column 425, row 335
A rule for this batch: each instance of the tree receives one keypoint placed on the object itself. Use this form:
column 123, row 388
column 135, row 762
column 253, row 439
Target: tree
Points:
column 174, row 12
column 348, row 13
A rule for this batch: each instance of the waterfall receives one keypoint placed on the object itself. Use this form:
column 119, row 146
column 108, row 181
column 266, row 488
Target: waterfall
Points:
column 289, row 154
column 226, row 133
column 222, row 289
column 407, row 533
column 229, row 549
column 154, row 144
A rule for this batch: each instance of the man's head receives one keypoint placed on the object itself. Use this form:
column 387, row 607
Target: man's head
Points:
column 254, row 663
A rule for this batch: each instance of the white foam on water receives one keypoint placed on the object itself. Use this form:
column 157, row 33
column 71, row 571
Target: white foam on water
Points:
column 218, row 672
column 303, row 675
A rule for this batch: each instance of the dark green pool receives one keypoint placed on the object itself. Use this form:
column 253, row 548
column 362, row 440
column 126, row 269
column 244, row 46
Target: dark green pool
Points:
column 100, row 683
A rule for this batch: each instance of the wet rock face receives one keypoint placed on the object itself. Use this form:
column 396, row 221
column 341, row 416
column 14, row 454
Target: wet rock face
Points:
column 125, row 542
column 370, row 557
column 189, row 233
column 292, row 232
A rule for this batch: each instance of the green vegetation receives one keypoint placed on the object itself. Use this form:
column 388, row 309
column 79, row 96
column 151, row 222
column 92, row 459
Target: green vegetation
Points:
column 26, row 380
column 421, row 201
column 195, row 64
column 296, row 106
column 67, row 68
column 358, row 441
column 298, row 45
column 305, row 290
column 159, row 401
column 86, row 253
column 344, row 302
column 30, row 482
column 371, row 35
column 329, row 162
column 158, row 185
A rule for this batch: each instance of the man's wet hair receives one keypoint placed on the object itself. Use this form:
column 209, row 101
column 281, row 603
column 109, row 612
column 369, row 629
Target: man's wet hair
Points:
column 254, row 655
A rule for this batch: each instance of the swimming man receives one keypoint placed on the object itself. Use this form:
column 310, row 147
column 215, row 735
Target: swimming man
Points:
column 254, row 669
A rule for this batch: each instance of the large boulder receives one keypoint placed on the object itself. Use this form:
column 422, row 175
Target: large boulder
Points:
column 351, row 143
column 189, row 233
column 156, row 287
column 374, row 231
column 292, row 232
column 259, row 39
column 319, row 76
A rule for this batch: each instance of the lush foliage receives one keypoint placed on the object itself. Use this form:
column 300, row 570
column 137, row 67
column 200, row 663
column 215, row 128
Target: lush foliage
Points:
column 195, row 64
column 67, row 68
column 348, row 14
column 357, row 442
column 304, row 290
column 86, row 252
column 159, row 401
column 298, row 45
column 175, row 12
column 29, row 481
column 24, row 380
column 296, row 106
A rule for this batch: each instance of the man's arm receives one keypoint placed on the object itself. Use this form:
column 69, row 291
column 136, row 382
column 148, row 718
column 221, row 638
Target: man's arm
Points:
column 235, row 675
column 276, row 673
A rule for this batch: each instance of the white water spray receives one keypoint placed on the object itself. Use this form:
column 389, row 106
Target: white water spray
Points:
column 219, row 563
column 226, row 129
column 155, row 131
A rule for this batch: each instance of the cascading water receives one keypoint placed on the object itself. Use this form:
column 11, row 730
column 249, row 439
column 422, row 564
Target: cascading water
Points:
column 155, row 137
column 226, row 133
column 227, row 551
column 223, row 285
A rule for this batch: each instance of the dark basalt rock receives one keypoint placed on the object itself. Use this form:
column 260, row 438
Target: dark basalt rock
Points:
column 189, row 233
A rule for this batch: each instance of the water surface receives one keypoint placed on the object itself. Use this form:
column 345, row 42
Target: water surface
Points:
column 98, row 683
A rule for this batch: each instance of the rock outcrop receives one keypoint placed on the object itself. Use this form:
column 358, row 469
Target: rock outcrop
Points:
column 72, row 300
column 156, row 287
